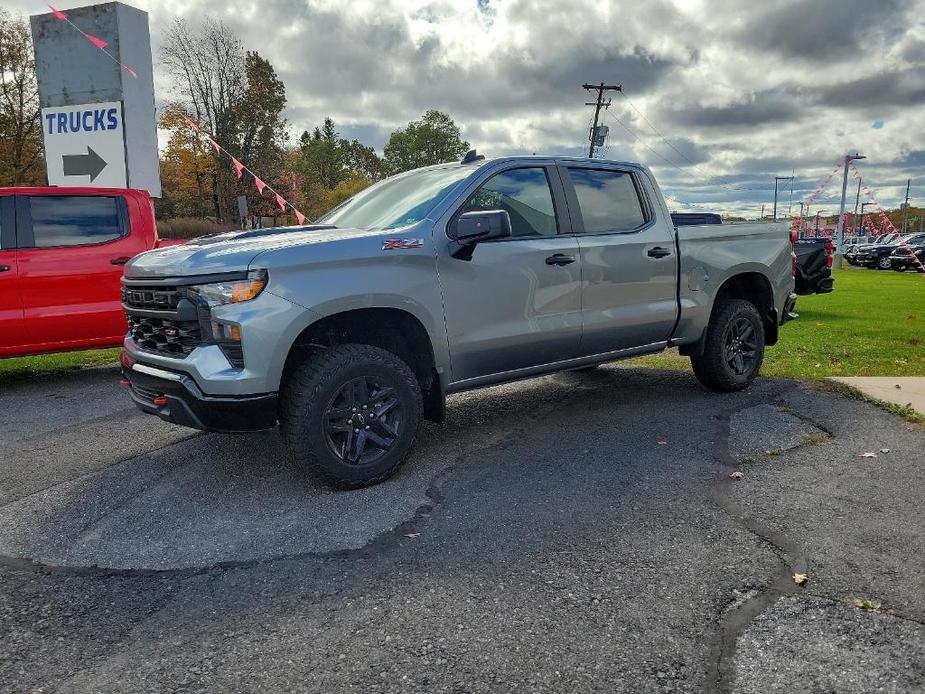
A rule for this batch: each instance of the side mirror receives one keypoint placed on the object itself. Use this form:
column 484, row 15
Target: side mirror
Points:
column 472, row 227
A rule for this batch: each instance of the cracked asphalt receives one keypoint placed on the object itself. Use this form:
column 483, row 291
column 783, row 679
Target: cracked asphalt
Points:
column 572, row 533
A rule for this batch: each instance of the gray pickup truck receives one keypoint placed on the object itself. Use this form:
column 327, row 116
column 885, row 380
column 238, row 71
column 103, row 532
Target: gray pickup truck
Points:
column 349, row 332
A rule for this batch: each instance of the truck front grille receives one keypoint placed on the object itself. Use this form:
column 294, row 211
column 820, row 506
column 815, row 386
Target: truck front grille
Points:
column 151, row 298
column 162, row 320
column 175, row 338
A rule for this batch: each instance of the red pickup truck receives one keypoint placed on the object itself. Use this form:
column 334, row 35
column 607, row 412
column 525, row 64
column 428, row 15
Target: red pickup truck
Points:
column 61, row 257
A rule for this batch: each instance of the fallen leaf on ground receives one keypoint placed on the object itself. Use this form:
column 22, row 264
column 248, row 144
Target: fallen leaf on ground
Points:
column 869, row 454
column 799, row 579
column 884, row 450
column 413, row 535
column 737, row 474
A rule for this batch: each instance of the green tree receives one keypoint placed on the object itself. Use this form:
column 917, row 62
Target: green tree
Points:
column 20, row 126
column 333, row 168
column 432, row 140
column 261, row 133
column 237, row 96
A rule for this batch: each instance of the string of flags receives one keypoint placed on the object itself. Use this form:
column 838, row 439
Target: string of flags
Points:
column 240, row 168
column 95, row 40
column 884, row 219
column 798, row 221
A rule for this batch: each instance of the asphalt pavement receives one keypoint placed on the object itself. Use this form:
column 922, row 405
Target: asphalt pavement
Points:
column 573, row 533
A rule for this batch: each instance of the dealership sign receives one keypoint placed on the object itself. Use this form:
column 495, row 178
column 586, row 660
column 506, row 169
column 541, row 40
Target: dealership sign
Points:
column 85, row 145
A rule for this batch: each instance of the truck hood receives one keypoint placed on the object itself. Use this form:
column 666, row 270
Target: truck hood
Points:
column 231, row 251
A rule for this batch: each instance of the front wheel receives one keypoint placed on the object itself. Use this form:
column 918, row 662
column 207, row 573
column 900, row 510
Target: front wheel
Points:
column 351, row 413
column 884, row 263
column 733, row 349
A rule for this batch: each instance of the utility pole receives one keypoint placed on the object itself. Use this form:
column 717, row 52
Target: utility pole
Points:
column 776, row 180
column 906, row 205
column 864, row 205
column 762, row 211
column 857, row 200
column 600, row 89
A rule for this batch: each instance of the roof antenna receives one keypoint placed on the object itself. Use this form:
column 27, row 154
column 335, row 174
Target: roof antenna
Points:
column 472, row 156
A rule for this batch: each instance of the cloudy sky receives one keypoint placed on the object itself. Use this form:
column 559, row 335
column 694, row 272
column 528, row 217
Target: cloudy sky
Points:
column 720, row 95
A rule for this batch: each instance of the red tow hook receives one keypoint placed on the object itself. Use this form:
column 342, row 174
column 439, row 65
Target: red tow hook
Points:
column 125, row 382
column 159, row 401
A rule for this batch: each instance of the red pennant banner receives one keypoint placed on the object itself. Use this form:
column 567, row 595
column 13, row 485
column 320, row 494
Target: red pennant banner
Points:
column 96, row 41
column 240, row 169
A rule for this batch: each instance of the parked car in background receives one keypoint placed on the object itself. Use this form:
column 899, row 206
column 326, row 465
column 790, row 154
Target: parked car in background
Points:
column 903, row 258
column 878, row 255
column 436, row 281
column 62, row 251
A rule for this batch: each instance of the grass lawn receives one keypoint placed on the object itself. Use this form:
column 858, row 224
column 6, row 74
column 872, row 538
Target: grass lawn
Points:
column 22, row 368
column 873, row 324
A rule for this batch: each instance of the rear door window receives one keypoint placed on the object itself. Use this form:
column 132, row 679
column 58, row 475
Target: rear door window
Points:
column 71, row 220
column 608, row 199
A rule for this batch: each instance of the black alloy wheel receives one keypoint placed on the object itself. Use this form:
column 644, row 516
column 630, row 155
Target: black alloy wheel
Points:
column 350, row 413
column 363, row 420
column 740, row 346
column 733, row 347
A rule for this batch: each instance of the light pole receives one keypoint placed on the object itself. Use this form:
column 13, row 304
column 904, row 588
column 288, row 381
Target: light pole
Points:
column 840, row 229
column 778, row 179
column 863, row 206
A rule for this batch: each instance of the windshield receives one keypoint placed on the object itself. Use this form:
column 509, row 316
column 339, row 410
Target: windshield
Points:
column 397, row 201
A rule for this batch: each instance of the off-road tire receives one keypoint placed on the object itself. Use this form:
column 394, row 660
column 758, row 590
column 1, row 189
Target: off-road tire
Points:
column 710, row 368
column 306, row 397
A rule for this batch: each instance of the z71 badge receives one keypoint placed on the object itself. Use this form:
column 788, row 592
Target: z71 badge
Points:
column 401, row 244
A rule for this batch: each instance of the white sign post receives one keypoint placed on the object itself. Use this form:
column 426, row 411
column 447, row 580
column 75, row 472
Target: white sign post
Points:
column 85, row 145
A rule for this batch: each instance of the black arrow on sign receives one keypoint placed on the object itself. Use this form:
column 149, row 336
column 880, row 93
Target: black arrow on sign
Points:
column 89, row 164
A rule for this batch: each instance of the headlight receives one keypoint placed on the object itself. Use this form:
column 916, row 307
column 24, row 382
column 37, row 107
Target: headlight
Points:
column 231, row 292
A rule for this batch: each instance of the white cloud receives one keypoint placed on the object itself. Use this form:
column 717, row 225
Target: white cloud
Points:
column 745, row 90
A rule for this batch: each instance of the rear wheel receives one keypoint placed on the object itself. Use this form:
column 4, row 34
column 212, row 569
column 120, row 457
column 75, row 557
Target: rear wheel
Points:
column 351, row 413
column 734, row 347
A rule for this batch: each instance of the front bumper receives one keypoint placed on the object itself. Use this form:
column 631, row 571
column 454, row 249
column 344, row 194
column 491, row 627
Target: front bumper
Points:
column 903, row 262
column 175, row 397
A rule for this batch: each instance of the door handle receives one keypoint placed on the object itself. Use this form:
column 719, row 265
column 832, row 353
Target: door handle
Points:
column 5, row 268
column 121, row 261
column 560, row 259
column 658, row 252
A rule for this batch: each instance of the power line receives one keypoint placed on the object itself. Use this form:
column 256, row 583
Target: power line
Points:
column 728, row 186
